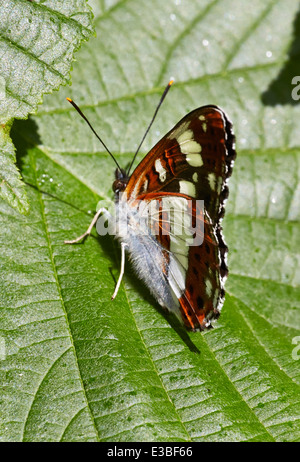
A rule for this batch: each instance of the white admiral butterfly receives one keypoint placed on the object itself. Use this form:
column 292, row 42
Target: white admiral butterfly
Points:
column 192, row 161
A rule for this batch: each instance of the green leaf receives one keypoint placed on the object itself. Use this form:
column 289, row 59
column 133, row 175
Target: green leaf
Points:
column 76, row 366
column 11, row 186
column 37, row 41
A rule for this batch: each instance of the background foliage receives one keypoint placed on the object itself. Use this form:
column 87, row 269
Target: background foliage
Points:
column 37, row 42
column 78, row 366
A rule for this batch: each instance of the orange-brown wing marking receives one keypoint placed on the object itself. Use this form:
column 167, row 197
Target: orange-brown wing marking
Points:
column 166, row 164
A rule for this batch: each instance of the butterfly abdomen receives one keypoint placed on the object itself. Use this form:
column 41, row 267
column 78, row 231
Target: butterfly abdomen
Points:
column 146, row 255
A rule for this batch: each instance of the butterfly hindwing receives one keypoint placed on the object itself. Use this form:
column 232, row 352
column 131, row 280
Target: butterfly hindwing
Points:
column 188, row 259
column 204, row 290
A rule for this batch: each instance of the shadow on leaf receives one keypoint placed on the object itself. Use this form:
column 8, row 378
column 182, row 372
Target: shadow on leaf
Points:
column 25, row 136
column 169, row 317
column 280, row 90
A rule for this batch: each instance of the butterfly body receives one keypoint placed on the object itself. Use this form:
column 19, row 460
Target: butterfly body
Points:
column 191, row 163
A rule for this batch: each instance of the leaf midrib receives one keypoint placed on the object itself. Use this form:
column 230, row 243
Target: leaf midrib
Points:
column 34, row 57
column 40, row 6
column 154, row 365
column 159, row 89
column 72, row 346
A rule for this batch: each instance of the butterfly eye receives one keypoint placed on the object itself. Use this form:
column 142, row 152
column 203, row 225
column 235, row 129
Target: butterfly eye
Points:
column 119, row 186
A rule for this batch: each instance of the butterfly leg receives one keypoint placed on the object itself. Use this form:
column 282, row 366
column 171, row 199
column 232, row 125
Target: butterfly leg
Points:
column 89, row 230
column 123, row 245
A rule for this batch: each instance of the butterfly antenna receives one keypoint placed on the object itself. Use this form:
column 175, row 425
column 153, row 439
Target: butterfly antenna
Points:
column 150, row 125
column 94, row 131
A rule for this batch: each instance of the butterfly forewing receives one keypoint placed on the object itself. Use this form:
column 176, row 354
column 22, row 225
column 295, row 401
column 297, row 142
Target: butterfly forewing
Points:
column 194, row 158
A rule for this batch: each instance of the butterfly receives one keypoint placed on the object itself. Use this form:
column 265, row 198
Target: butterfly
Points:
column 192, row 162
